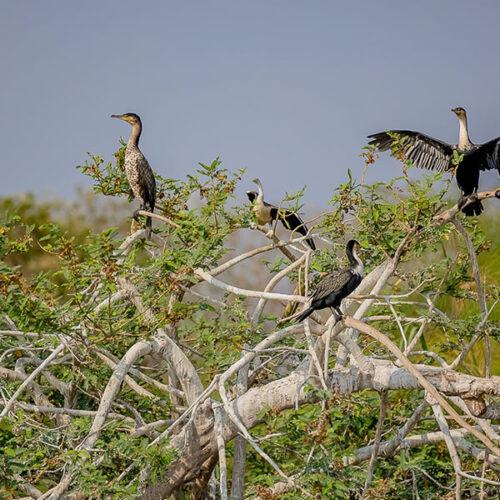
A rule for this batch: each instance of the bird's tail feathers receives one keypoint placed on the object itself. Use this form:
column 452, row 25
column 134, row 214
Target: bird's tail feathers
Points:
column 305, row 314
column 311, row 243
column 149, row 223
column 473, row 209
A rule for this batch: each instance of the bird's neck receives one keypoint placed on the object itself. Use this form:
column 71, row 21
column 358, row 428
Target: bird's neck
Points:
column 463, row 134
column 134, row 136
column 260, row 196
column 356, row 263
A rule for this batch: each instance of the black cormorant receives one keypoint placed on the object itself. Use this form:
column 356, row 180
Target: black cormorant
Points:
column 266, row 213
column 430, row 153
column 139, row 173
column 337, row 285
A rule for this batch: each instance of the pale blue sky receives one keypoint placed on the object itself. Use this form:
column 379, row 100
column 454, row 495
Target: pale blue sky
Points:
column 289, row 89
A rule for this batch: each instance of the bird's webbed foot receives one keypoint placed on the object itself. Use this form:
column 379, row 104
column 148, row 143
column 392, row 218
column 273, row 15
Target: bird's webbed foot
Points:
column 497, row 193
column 136, row 215
column 465, row 198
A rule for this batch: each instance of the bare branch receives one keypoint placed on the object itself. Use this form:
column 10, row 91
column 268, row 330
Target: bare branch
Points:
column 273, row 282
column 221, row 447
column 449, row 214
column 240, row 443
column 30, row 378
column 384, row 401
column 455, row 459
column 145, row 213
column 247, row 293
column 369, row 330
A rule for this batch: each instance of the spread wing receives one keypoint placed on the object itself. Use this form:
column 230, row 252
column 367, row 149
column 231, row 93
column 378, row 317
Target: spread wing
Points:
column 332, row 283
column 422, row 150
column 486, row 156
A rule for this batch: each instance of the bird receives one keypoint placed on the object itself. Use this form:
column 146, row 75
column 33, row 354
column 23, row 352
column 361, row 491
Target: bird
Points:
column 433, row 154
column 139, row 173
column 336, row 286
column 266, row 213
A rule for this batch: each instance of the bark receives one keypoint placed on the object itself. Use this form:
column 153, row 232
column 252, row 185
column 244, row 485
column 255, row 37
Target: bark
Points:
column 289, row 392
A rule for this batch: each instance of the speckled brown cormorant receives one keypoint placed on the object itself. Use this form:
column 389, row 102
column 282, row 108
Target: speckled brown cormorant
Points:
column 266, row 213
column 430, row 153
column 139, row 173
column 337, row 285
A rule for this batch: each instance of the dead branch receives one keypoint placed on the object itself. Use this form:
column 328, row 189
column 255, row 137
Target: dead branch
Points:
column 369, row 330
column 449, row 214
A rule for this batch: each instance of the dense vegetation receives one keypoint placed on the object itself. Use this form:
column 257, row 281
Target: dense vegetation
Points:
column 314, row 395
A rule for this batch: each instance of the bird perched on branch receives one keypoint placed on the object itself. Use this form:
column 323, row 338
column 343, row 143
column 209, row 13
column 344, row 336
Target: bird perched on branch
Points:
column 139, row 173
column 266, row 213
column 433, row 154
column 335, row 287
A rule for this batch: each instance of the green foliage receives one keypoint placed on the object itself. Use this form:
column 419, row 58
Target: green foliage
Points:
column 53, row 275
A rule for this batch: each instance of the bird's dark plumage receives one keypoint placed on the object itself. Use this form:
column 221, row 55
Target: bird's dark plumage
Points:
column 337, row 285
column 290, row 220
column 139, row 174
column 433, row 154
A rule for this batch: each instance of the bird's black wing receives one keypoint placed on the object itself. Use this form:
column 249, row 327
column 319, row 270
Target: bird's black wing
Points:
column 333, row 282
column 486, row 156
column 147, row 185
column 422, row 150
column 292, row 222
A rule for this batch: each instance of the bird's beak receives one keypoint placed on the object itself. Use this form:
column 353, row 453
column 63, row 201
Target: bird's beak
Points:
column 455, row 110
column 118, row 116
column 256, row 180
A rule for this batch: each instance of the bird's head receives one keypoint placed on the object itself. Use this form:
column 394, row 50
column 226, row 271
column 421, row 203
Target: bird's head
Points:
column 353, row 245
column 459, row 111
column 252, row 196
column 259, row 185
column 132, row 118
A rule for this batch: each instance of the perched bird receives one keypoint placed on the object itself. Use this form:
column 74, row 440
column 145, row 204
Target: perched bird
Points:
column 430, row 153
column 139, row 173
column 337, row 285
column 266, row 213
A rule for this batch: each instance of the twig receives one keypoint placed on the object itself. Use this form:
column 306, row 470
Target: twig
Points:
column 137, row 350
column 31, row 377
column 255, row 251
column 246, row 293
column 221, row 448
column 69, row 411
column 240, row 443
column 443, row 425
column 466, row 349
column 479, row 288
column 272, row 283
column 369, row 330
column 148, row 428
column 384, row 400
column 157, row 216
column 388, row 448
column 237, row 422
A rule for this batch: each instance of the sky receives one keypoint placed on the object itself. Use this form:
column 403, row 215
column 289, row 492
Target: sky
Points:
column 289, row 89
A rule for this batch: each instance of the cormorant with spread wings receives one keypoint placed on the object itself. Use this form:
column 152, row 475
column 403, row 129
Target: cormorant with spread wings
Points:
column 433, row 154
